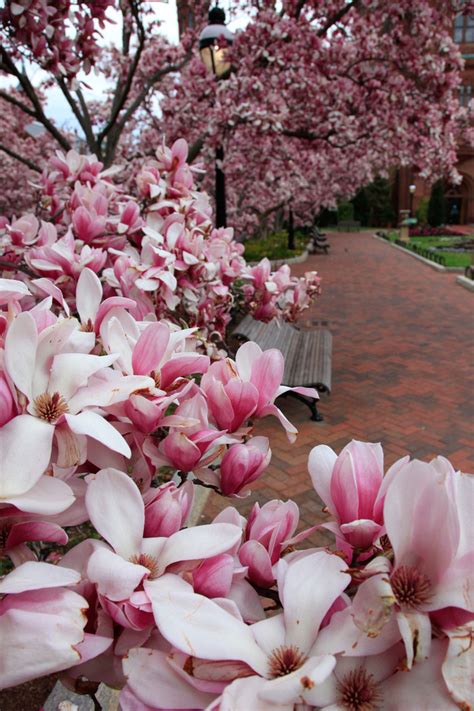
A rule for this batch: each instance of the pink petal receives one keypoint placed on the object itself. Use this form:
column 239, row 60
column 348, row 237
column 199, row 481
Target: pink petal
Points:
column 48, row 496
column 150, row 348
column 115, row 577
column 151, row 678
column 182, row 365
column 305, row 600
column 415, row 628
column 245, row 358
column 35, row 576
column 458, row 665
column 422, row 688
column 116, row 510
column 427, row 511
column 70, row 371
column 20, row 352
column 341, row 636
column 97, row 427
column 294, row 687
column 18, row 473
column 88, row 295
column 256, row 557
column 320, row 465
column 36, row 531
column 199, row 542
column 201, row 628
column 39, row 631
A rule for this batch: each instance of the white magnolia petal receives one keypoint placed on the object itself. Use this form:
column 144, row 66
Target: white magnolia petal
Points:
column 116, row 509
column 19, row 473
column 199, row 627
column 37, row 575
column 199, row 542
column 93, row 425
column 20, row 352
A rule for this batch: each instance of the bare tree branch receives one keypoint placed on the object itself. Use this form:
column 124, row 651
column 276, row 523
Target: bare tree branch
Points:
column 22, row 159
column 334, row 19
column 122, row 89
column 19, row 104
column 30, row 91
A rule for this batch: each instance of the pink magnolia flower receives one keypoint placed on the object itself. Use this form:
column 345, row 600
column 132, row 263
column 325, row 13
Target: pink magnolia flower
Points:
column 191, row 443
column 248, row 387
column 167, row 508
column 117, row 511
column 22, row 483
column 270, row 529
column 351, row 487
column 429, row 573
column 58, row 386
column 271, row 661
column 243, row 463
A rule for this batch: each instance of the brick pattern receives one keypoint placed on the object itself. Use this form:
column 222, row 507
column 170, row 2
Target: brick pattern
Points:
column 402, row 370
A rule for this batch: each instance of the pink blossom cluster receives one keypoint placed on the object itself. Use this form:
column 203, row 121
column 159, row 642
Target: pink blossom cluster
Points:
column 111, row 415
column 230, row 615
column 157, row 248
column 61, row 36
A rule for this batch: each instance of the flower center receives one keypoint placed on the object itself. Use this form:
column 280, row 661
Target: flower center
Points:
column 410, row 587
column 284, row 660
column 148, row 561
column 359, row 692
column 50, row 407
column 88, row 326
column 156, row 375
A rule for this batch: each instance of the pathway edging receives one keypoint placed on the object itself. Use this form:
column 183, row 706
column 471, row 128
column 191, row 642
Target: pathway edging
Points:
column 465, row 282
column 429, row 262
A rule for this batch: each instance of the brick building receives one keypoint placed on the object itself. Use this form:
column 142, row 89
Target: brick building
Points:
column 459, row 198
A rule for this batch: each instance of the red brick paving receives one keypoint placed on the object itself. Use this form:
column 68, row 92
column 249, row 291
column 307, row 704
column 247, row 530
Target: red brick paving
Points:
column 402, row 369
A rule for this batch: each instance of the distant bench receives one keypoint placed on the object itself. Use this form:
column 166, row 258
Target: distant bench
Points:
column 308, row 355
column 318, row 242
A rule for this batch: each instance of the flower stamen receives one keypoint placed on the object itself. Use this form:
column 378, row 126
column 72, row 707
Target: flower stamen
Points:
column 285, row 660
column 50, row 406
column 410, row 587
column 359, row 692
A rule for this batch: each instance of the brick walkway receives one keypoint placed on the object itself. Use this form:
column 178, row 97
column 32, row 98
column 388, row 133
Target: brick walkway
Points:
column 402, row 369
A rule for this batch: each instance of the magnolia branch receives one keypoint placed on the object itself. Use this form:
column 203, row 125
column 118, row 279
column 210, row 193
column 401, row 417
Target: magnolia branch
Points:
column 22, row 159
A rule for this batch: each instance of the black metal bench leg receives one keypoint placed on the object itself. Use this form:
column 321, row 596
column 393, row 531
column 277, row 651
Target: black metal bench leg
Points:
column 311, row 403
column 315, row 414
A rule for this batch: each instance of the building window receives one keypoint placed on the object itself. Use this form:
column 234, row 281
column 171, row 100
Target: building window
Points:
column 464, row 29
column 465, row 95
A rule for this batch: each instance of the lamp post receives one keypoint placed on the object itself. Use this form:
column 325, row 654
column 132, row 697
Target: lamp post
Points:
column 411, row 190
column 214, row 40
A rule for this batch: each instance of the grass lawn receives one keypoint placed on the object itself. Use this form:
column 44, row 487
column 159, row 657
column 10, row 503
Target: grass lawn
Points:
column 451, row 259
column 275, row 246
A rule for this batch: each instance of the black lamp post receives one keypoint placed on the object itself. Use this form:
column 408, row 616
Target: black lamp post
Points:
column 213, row 43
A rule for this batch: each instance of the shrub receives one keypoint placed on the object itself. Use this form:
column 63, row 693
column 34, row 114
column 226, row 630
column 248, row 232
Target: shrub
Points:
column 437, row 205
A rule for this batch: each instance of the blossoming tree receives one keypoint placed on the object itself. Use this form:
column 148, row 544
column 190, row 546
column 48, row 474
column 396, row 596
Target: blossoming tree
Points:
column 347, row 89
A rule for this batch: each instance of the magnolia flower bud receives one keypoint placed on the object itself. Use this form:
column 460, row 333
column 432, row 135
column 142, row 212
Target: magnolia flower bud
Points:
column 243, row 463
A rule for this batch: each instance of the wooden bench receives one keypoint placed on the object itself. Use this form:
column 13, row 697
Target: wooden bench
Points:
column 307, row 354
column 318, row 242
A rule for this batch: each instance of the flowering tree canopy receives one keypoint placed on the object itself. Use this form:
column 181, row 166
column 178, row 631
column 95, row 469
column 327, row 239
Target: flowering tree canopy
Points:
column 342, row 90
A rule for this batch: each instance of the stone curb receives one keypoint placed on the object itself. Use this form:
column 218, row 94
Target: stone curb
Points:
column 429, row 262
column 465, row 282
